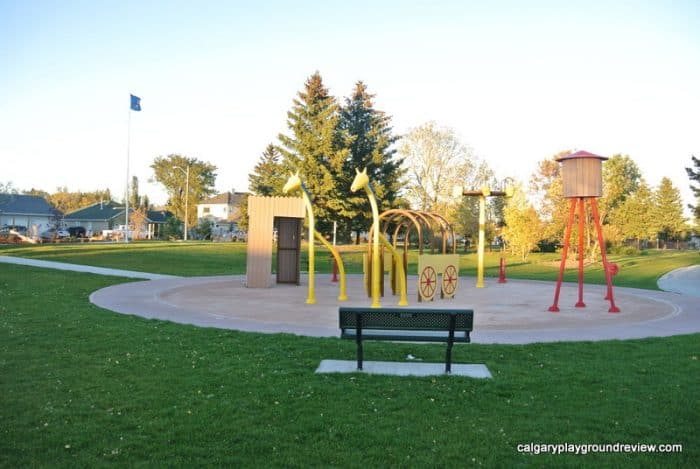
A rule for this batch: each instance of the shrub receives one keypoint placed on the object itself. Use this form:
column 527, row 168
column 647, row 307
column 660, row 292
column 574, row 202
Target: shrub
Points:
column 625, row 251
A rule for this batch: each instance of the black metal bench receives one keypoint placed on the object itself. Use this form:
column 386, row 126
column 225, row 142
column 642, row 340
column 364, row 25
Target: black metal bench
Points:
column 406, row 325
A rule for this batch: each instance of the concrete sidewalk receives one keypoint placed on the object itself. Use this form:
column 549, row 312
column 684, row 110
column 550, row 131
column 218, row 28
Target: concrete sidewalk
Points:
column 83, row 268
column 685, row 281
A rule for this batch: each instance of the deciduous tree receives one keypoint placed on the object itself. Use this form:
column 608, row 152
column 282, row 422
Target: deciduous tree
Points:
column 202, row 177
column 547, row 190
column 67, row 201
column 523, row 228
column 436, row 161
column 621, row 177
column 138, row 222
column 8, row 188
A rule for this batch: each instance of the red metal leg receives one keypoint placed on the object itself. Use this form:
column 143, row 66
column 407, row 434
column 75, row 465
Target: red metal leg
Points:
column 567, row 237
column 581, row 221
column 502, row 271
column 601, row 242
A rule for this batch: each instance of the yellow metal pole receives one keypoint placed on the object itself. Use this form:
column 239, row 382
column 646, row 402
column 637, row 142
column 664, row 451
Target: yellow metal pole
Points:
column 341, row 268
column 376, row 268
column 311, row 298
column 399, row 266
column 482, row 224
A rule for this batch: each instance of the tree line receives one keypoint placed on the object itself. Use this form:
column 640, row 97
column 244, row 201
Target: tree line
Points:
column 630, row 210
column 328, row 138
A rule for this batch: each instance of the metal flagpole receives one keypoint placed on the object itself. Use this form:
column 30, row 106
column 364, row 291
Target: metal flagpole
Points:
column 128, row 146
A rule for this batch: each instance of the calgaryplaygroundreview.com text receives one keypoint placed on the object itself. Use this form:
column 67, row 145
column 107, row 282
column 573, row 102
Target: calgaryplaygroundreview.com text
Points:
column 586, row 448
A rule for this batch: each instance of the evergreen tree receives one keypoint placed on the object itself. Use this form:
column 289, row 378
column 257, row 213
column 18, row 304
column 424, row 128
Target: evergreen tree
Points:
column 694, row 176
column 315, row 149
column 669, row 210
column 134, row 199
column 367, row 133
column 268, row 177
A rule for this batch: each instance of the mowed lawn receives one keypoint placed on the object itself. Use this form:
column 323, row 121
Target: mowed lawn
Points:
column 206, row 258
column 81, row 386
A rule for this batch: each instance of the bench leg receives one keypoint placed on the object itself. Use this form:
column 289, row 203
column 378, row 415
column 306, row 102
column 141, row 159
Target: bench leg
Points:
column 450, row 341
column 358, row 338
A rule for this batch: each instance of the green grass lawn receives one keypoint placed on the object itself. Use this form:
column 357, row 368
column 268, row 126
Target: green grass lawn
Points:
column 81, row 386
column 84, row 387
column 206, row 258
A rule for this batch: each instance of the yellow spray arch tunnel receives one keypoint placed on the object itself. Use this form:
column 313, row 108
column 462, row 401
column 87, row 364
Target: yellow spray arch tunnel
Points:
column 437, row 271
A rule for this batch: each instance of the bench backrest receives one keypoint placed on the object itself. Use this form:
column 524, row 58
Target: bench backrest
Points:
column 414, row 319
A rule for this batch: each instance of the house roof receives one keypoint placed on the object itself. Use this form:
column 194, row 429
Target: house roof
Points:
column 97, row 212
column 19, row 204
column 227, row 198
column 158, row 216
column 113, row 211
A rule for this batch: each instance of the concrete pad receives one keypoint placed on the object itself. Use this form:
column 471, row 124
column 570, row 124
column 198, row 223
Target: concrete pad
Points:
column 403, row 369
column 510, row 313
column 514, row 312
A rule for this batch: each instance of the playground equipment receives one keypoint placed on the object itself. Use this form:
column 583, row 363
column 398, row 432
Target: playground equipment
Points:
column 482, row 194
column 582, row 180
column 361, row 181
column 267, row 213
column 294, row 183
column 502, row 271
column 429, row 265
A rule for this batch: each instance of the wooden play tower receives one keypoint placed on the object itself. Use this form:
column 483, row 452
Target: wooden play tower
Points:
column 582, row 180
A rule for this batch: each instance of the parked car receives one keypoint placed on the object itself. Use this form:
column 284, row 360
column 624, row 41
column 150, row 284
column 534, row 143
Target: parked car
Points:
column 77, row 232
column 54, row 233
column 17, row 228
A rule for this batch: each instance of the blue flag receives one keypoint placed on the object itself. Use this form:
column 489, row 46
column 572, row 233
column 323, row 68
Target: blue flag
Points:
column 135, row 103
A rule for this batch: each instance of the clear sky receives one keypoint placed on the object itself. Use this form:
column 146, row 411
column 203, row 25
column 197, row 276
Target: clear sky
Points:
column 518, row 81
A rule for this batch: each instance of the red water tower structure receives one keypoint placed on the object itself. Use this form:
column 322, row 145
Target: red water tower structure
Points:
column 582, row 180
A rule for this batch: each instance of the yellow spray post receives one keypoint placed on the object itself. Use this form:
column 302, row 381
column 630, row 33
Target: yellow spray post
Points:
column 294, row 182
column 482, row 194
column 399, row 266
column 485, row 192
column 362, row 181
column 341, row 268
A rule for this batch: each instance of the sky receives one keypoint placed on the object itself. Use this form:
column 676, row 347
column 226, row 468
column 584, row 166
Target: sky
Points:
column 517, row 81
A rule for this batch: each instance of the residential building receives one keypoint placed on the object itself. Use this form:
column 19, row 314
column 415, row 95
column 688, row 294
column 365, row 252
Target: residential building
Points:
column 27, row 212
column 110, row 215
column 223, row 211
